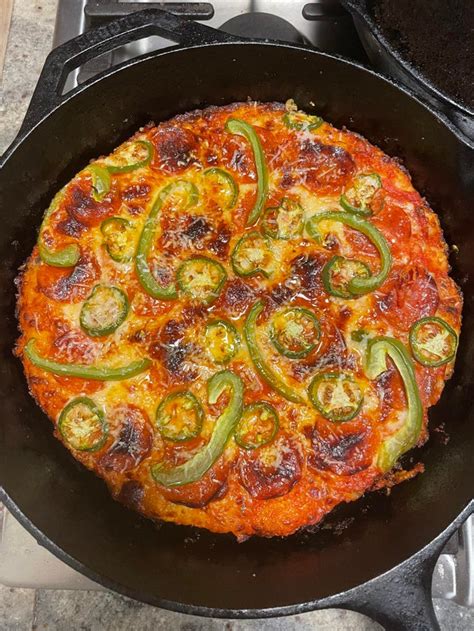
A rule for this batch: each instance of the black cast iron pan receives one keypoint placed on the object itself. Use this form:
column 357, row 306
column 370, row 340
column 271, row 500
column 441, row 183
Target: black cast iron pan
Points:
column 387, row 58
column 381, row 563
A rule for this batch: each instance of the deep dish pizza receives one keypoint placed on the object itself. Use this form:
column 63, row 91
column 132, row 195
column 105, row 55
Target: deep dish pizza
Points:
column 240, row 318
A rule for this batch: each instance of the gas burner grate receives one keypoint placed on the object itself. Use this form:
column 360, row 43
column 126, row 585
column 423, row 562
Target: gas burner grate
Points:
column 99, row 11
column 323, row 23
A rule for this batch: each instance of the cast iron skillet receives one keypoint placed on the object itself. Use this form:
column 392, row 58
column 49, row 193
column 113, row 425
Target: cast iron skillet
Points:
column 381, row 563
column 390, row 60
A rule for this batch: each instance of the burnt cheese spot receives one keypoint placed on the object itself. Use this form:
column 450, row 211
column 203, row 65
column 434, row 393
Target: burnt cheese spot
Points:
column 323, row 168
column 174, row 148
column 287, row 179
column 342, row 453
column 219, row 242
column 237, row 297
column 65, row 285
column 197, row 229
column 280, row 294
column 172, row 349
column 306, row 273
column 71, row 227
column 133, row 442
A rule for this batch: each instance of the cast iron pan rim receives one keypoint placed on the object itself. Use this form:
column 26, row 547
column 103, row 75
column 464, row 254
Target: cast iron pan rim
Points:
column 442, row 119
column 363, row 13
column 210, row 612
column 42, row 539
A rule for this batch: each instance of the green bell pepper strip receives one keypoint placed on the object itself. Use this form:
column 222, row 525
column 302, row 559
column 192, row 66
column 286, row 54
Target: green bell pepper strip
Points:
column 201, row 278
column 258, row 425
column 68, row 256
column 104, row 311
column 284, row 221
column 252, row 255
column 376, row 363
column 86, row 371
column 146, row 278
column 358, row 197
column 133, row 166
column 179, row 416
column 100, row 181
column 82, row 425
column 273, row 380
column 358, row 285
column 295, row 332
column 241, row 128
column 433, row 342
column 194, row 469
column 359, row 335
column 118, row 239
column 338, row 273
column 222, row 340
column 300, row 121
column 227, row 181
column 336, row 396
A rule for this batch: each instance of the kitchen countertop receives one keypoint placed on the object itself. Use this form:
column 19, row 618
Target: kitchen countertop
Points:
column 27, row 610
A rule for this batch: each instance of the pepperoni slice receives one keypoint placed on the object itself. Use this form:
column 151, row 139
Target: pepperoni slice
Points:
column 82, row 207
column 237, row 157
column 133, row 439
column 340, row 451
column 272, row 470
column 174, row 149
column 74, row 346
column 359, row 243
column 212, row 486
column 390, row 392
column 331, row 354
column 412, row 294
column 395, row 225
column 324, row 169
column 65, row 285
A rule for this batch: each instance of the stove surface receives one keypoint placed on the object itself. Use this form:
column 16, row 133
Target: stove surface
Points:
column 322, row 23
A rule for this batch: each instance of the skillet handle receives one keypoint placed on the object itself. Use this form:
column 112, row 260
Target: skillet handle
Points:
column 401, row 599
column 384, row 59
column 72, row 54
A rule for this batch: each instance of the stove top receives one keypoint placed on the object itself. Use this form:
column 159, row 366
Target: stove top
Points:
column 323, row 24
